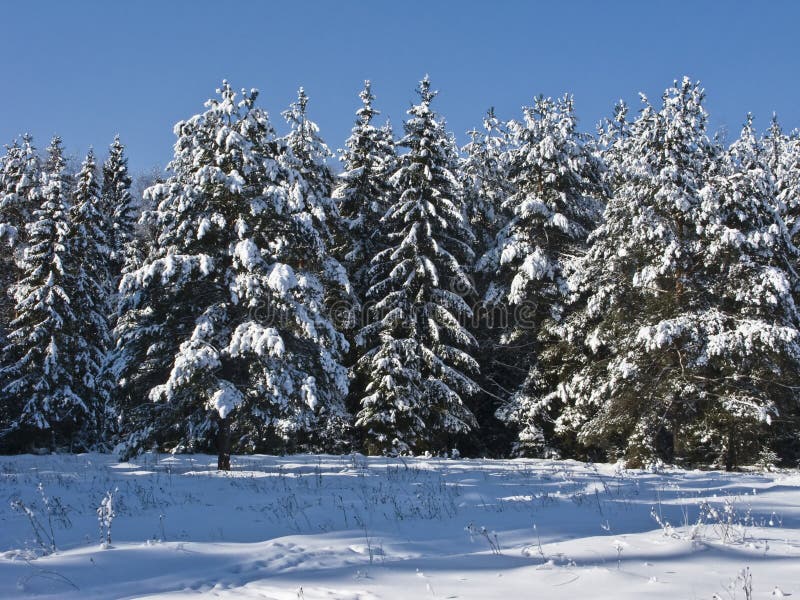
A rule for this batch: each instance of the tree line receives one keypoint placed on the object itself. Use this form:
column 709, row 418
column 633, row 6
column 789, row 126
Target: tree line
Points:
column 628, row 295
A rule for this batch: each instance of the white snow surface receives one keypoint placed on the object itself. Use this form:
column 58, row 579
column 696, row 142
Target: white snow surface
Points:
column 357, row 528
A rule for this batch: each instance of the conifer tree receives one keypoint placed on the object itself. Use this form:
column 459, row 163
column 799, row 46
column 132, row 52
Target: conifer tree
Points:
column 748, row 368
column 416, row 356
column 636, row 275
column 125, row 252
column 19, row 196
column 19, row 184
column 782, row 156
column 90, row 287
column 41, row 401
column 305, row 158
column 555, row 204
column 226, row 324
column 611, row 138
column 484, row 176
column 363, row 192
column 484, row 172
column 666, row 338
column 118, row 205
column 783, row 159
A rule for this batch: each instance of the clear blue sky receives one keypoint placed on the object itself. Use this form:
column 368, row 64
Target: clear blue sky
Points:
column 87, row 70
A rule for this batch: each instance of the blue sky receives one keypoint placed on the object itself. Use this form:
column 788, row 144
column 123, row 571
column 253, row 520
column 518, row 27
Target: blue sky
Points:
column 87, row 70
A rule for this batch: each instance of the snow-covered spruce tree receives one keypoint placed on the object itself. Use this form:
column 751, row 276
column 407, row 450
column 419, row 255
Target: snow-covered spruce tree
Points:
column 126, row 251
column 90, row 289
column 555, row 204
column 748, row 370
column 622, row 395
column 783, row 159
column 311, row 179
column 20, row 173
column 416, row 349
column 662, row 345
column 225, row 321
column 610, row 143
column 306, row 157
column 363, row 193
column 484, row 174
column 41, row 401
column 144, row 235
column 782, row 153
column 119, row 206
column 19, row 189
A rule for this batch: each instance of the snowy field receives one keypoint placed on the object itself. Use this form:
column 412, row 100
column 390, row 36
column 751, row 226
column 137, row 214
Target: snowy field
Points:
column 313, row 527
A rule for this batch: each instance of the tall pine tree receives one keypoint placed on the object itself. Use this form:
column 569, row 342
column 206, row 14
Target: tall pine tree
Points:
column 678, row 283
column 305, row 158
column 638, row 274
column 484, row 172
column 416, row 355
column 19, row 183
column 782, row 156
column 119, row 207
column 363, row 193
column 226, row 326
column 484, row 175
column 747, row 371
column 90, row 286
column 19, row 195
column 42, row 405
column 555, row 204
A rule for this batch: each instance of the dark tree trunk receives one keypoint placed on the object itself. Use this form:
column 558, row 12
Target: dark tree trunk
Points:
column 224, row 445
column 730, row 453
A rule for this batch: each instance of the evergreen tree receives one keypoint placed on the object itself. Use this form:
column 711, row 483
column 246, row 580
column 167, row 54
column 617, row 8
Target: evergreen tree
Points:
column 636, row 275
column 748, row 368
column 363, row 193
column 611, row 142
column 144, row 235
column 782, row 156
column 671, row 330
column 19, row 196
column 119, row 206
column 416, row 357
column 305, row 158
column 484, row 172
column 555, row 204
column 126, row 249
column 19, row 184
column 484, row 176
column 226, row 324
column 41, row 401
column 90, row 287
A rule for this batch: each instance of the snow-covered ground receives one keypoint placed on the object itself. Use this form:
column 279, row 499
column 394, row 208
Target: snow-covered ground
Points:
column 349, row 527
